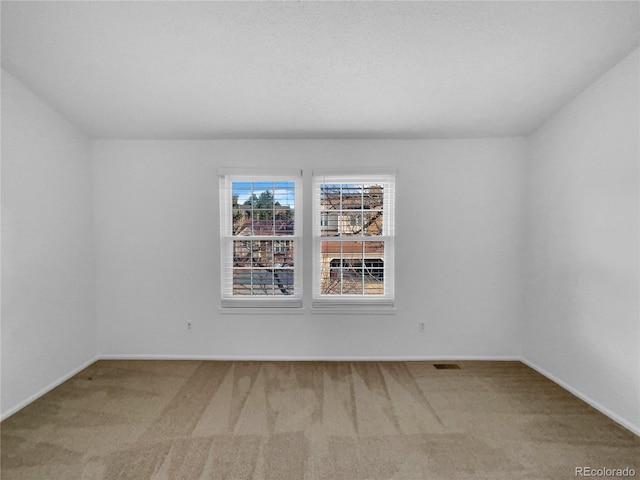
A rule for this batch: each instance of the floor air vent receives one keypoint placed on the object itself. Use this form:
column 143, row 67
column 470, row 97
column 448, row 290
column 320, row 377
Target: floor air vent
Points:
column 447, row 366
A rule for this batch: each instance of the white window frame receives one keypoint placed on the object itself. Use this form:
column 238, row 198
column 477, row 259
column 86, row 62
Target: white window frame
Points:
column 226, row 178
column 384, row 302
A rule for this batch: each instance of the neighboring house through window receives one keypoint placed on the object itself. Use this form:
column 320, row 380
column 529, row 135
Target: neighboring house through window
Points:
column 354, row 234
column 353, row 241
column 260, row 224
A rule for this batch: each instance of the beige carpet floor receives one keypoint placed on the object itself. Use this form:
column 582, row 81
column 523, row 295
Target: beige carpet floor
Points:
column 310, row 420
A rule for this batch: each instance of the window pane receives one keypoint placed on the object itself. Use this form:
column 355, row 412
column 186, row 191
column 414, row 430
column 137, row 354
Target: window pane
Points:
column 352, row 268
column 284, row 194
column 331, row 272
column 351, row 223
column 354, row 223
column 330, row 196
column 263, row 267
column 242, row 254
column 329, row 223
column 241, row 193
column 283, row 282
column 263, row 208
column 241, row 225
column 372, row 197
column 372, row 223
column 351, row 209
column 262, row 222
column 260, row 187
column 373, row 271
column 351, row 197
column 283, row 227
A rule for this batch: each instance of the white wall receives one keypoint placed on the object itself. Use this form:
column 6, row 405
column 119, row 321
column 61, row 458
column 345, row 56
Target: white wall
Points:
column 48, row 300
column 458, row 249
column 565, row 201
column 582, row 324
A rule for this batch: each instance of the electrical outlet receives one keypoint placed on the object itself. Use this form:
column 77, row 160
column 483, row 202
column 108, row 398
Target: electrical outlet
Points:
column 421, row 326
column 189, row 326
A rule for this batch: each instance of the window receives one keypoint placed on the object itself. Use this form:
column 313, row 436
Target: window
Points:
column 260, row 226
column 353, row 238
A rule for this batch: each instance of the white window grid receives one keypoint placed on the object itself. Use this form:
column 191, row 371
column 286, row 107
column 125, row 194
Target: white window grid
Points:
column 343, row 239
column 278, row 242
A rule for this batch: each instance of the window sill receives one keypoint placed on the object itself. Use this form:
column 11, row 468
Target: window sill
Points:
column 261, row 310
column 353, row 310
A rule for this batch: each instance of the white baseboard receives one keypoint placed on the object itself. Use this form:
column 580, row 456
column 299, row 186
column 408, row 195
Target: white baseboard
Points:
column 46, row 389
column 289, row 358
column 635, row 429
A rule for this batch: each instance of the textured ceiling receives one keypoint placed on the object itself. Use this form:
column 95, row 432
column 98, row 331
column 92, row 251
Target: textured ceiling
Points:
column 312, row 69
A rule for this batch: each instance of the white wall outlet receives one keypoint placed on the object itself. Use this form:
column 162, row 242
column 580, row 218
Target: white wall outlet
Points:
column 421, row 326
column 189, row 326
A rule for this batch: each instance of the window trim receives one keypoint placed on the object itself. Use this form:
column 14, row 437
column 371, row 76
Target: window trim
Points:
column 229, row 301
column 355, row 303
